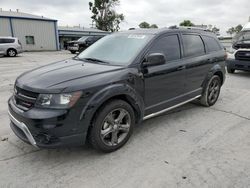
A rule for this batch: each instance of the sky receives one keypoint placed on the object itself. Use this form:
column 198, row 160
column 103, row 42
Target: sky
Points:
column 220, row 13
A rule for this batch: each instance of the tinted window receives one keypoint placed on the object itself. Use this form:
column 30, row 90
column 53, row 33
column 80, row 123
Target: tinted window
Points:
column 7, row 40
column 211, row 44
column 169, row 46
column 193, row 45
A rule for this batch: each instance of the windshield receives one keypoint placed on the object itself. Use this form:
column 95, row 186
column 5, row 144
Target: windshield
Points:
column 242, row 36
column 82, row 38
column 116, row 49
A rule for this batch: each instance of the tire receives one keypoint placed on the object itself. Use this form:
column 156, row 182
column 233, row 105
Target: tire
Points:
column 214, row 85
column 11, row 53
column 109, row 132
column 230, row 71
column 73, row 52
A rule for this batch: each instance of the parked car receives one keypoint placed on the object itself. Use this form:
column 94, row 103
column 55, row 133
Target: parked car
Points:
column 240, row 59
column 10, row 46
column 82, row 43
column 124, row 78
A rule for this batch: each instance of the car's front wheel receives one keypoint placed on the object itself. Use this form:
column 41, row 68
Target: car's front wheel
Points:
column 112, row 126
column 211, row 91
column 72, row 51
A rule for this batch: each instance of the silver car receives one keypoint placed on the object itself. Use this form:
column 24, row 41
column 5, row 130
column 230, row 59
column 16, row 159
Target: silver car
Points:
column 10, row 46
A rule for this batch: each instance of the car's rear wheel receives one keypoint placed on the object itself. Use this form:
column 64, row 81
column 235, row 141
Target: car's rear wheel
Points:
column 229, row 70
column 112, row 126
column 11, row 53
column 211, row 91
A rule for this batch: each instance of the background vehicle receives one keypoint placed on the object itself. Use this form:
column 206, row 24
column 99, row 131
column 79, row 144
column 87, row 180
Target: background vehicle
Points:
column 10, row 46
column 82, row 43
column 116, row 83
column 240, row 59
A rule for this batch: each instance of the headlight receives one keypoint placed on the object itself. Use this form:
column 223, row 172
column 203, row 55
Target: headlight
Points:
column 76, row 45
column 58, row 101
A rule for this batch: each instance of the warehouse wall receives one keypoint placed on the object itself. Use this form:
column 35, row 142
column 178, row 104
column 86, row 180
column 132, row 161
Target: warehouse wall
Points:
column 43, row 32
column 5, row 29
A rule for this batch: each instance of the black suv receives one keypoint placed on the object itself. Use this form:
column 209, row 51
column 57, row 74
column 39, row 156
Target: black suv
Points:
column 82, row 43
column 240, row 60
column 119, row 81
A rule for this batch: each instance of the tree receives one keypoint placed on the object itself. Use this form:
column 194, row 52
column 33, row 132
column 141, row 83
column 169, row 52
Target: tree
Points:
column 215, row 30
column 144, row 25
column 234, row 30
column 153, row 26
column 147, row 25
column 186, row 23
column 231, row 31
column 105, row 16
column 238, row 28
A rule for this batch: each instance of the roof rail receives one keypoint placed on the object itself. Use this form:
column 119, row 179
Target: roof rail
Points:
column 188, row 27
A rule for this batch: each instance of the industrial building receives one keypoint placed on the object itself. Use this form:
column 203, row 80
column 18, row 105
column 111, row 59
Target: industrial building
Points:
column 34, row 32
column 38, row 33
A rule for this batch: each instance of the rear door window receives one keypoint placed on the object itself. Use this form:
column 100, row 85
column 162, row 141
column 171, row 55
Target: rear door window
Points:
column 193, row 45
column 211, row 44
column 169, row 46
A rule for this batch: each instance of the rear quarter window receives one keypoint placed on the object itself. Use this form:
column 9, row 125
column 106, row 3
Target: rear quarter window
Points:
column 193, row 45
column 212, row 44
column 5, row 41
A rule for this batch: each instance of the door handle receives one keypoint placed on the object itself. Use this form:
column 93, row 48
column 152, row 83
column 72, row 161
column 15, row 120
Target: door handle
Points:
column 181, row 67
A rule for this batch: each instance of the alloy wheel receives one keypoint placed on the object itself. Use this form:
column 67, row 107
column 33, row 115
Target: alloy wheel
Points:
column 12, row 53
column 115, row 127
column 213, row 91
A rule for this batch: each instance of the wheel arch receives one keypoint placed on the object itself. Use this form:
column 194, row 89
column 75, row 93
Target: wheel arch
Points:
column 117, row 91
column 215, row 70
column 11, row 48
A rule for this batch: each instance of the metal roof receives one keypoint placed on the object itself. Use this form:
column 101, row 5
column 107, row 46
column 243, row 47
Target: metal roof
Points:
column 80, row 29
column 21, row 15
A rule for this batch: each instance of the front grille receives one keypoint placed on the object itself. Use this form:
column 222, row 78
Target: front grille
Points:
column 24, row 99
column 243, row 55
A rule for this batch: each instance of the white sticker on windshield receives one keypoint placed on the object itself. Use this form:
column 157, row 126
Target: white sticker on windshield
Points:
column 136, row 36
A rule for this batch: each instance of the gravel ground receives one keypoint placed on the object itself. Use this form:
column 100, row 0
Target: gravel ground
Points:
column 192, row 146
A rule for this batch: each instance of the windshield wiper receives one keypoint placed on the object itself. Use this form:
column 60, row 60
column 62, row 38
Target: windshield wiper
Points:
column 96, row 60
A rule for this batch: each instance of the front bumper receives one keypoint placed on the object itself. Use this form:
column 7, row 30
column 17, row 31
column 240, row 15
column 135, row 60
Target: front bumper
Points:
column 238, row 64
column 46, row 128
column 73, row 48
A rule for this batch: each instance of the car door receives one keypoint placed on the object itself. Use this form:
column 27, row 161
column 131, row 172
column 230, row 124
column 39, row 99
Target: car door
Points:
column 197, row 63
column 164, row 84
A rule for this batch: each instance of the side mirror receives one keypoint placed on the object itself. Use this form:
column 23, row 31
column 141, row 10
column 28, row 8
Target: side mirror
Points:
column 155, row 59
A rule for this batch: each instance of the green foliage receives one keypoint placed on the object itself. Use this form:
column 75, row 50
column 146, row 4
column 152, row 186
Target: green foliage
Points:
column 235, row 30
column 105, row 16
column 238, row 28
column 186, row 23
column 153, row 26
column 147, row 25
column 215, row 30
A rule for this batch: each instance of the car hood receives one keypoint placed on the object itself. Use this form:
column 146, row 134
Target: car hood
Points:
column 48, row 78
column 241, row 44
